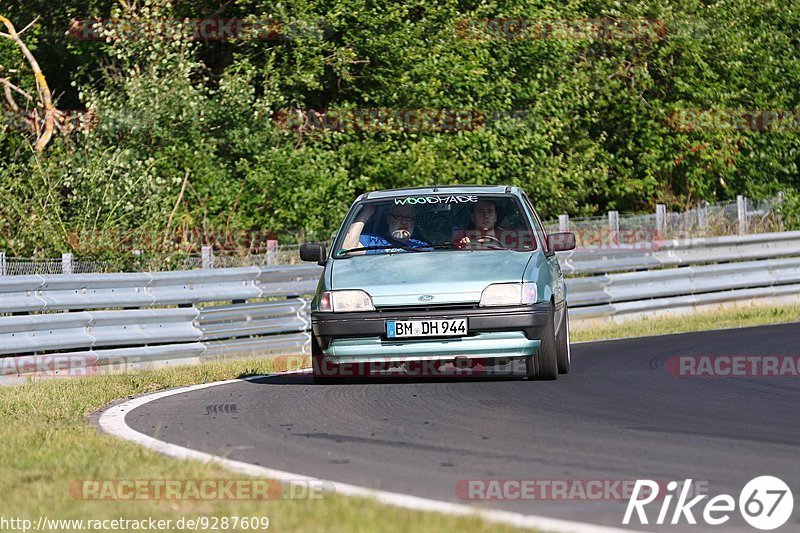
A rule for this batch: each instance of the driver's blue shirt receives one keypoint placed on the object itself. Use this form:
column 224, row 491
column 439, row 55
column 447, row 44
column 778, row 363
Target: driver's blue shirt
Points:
column 369, row 240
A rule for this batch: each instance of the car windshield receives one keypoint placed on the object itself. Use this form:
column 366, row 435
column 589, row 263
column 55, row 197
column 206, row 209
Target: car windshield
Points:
column 436, row 223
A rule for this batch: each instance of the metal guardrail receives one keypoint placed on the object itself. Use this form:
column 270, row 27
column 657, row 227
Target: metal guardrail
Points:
column 127, row 319
column 200, row 314
column 645, row 306
column 269, row 318
column 659, row 254
column 685, row 281
column 84, row 329
column 97, row 291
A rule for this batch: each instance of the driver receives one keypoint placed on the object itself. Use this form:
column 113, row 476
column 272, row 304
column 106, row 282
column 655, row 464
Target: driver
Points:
column 483, row 217
column 400, row 220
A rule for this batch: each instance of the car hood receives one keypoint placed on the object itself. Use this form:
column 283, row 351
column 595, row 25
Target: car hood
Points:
column 450, row 277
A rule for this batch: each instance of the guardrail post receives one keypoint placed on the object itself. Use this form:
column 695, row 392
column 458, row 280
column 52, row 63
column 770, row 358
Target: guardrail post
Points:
column 702, row 215
column 741, row 212
column 2, row 263
column 66, row 263
column 613, row 226
column 661, row 220
column 563, row 222
column 272, row 252
column 207, row 257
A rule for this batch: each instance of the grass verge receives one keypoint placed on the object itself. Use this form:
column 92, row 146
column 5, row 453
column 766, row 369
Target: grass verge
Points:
column 46, row 444
column 701, row 321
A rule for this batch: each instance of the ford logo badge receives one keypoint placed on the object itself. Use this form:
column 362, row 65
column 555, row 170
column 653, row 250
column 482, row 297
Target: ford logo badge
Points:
column 425, row 298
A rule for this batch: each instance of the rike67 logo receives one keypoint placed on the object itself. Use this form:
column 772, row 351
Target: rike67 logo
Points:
column 765, row 503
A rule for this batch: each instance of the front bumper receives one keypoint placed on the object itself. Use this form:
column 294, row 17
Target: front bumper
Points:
column 493, row 332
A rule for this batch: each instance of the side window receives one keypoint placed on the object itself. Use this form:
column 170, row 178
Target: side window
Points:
column 537, row 224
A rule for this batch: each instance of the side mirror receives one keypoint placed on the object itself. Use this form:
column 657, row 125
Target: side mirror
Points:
column 561, row 242
column 312, row 251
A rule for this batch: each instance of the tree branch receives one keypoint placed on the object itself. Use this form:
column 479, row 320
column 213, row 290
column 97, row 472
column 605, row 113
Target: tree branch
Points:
column 180, row 197
column 23, row 30
column 41, row 86
column 10, row 97
column 7, row 88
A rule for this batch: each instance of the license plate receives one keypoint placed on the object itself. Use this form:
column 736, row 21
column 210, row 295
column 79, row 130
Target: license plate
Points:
column 452, row 327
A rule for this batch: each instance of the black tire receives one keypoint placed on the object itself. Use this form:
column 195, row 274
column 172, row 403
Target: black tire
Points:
column 542, row 366
column 323, row 371
column 564, row 357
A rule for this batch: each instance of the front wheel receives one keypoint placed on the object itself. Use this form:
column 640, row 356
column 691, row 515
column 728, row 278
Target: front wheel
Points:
column 542, row 365
column 562, row 344
column 324, row 371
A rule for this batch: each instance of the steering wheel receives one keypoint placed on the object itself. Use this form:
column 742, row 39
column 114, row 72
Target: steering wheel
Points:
column 484, row 238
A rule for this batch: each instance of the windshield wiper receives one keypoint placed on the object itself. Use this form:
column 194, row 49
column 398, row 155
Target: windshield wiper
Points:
column 426, row 248
column 468, row 246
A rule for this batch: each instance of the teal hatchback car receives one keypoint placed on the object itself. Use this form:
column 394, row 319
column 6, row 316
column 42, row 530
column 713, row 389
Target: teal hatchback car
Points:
column 437, row 275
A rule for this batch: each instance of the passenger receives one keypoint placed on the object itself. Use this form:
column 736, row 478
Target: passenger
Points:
column 400, row 220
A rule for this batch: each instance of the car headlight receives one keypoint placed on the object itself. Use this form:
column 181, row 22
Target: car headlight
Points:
column 345, row 301
column 509, row 294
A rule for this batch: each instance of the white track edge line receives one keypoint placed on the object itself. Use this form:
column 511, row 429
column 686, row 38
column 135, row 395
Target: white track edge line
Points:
column 112, row 421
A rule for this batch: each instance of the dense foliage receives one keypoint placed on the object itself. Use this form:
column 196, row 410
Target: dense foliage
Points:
column 178, row 133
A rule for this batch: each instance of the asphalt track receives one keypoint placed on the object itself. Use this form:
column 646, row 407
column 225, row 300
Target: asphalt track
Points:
column 619, row 415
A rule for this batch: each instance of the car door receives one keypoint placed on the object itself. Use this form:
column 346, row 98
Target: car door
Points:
column 559, row 289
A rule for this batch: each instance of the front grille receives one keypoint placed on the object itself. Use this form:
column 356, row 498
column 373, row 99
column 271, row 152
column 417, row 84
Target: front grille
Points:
column 444, row 308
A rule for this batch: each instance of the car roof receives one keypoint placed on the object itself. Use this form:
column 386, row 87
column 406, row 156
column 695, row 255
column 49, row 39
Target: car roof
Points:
column 439, row 189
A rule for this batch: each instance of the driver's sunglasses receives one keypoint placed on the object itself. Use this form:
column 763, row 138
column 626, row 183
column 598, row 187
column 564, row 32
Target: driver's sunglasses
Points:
column 398, row 218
